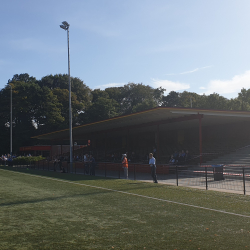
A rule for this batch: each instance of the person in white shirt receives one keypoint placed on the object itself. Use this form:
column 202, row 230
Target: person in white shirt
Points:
column 152, row 163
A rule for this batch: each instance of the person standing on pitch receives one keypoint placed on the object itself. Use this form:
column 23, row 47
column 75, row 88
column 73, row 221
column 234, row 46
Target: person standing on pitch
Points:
column 125, row 165
column 152, row 163
column 92, row 164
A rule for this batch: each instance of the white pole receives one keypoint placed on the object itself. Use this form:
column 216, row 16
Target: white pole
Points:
column 65, row 26
column 70, row 113
column 10, row 121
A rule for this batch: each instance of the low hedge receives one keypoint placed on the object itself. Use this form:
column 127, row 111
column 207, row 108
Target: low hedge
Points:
column 27, row 160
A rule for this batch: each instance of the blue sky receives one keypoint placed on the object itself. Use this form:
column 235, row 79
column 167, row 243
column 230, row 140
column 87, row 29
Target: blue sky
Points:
column 199, row 46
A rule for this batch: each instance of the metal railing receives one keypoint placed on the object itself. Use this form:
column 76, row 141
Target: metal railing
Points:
column 228, row 178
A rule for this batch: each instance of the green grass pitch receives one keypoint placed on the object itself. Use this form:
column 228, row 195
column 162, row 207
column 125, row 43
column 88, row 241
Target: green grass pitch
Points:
column 47, row 210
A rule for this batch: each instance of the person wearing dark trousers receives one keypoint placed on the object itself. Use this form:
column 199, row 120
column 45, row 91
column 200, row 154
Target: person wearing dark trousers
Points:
column 55, row 163
column 152, row 163
column 62, row 169
column 86, row 164
column 92, row 165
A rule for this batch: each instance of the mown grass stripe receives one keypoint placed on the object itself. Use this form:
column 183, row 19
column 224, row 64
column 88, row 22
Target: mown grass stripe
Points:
column 128, row 193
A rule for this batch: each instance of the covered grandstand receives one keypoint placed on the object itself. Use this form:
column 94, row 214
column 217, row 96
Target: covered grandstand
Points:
column 207, row 134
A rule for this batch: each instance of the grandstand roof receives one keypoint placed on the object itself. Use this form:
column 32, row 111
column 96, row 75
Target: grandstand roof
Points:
column 174, row 118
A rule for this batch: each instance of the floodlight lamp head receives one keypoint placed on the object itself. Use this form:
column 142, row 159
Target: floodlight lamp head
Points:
column 65, row 23
column 63, row 27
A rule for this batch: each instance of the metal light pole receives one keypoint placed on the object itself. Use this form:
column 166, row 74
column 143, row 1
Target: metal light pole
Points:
column 10, row 121
column 65, row 26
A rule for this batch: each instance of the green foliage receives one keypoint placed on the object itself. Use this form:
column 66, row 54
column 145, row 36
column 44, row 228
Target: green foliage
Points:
column 80, row 97
column 23, row 78
column 244, row 99
column 171, row 100
column 22, row 160
column 139, row 95
column 39, row 107
column 102, row 108
column 42, row 106
column 189, row 99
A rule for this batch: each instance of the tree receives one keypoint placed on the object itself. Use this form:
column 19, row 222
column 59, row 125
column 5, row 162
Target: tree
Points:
column 23, row 128
column 80, row 96
column 244, row 99
column 48, row 116
column 171, row 100
column 134, row 94
column 97, row 93
column 102, row 108
column 35, row 110
column 144, row 105
column 189, row 99
column 4, row 120
column 59, row 81
column 115, row 93
column 23, row 78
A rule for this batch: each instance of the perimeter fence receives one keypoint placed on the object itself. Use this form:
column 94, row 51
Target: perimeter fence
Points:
column 230, row 178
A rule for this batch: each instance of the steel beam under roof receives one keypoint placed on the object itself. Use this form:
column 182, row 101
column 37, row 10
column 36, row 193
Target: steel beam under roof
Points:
column 172, row 118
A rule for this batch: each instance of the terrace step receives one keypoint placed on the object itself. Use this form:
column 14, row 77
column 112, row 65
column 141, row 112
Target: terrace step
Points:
column 241, row 156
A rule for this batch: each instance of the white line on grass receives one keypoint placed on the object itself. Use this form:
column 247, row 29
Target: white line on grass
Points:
column 138, row 195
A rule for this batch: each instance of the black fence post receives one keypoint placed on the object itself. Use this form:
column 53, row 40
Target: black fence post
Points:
column 206, row 177
column 177, row 183
column 244, row 182
column 105, row 170
column 134, row 172
column 119, row 172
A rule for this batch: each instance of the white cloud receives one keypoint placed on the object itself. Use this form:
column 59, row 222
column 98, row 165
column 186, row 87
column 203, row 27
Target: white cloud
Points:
column 169, row 85
column 109, row 85
column 229, row 88
column 190, row 71
column 194, row 70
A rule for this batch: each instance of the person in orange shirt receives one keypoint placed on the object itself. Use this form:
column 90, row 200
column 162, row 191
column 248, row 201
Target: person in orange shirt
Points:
column 125, row 165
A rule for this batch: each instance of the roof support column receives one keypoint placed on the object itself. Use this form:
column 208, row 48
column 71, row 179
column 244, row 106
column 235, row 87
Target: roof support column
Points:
column 105, row 142
column 158, row 142
column 50, row 153
column 200, row 138
column 127, row 142
column 73, row 153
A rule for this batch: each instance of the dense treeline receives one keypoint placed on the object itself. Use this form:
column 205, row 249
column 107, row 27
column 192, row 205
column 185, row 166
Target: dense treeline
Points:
column 41, row 106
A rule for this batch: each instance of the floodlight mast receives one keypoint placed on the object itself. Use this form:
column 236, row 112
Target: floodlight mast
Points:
column 11, row 153
column 65, row 26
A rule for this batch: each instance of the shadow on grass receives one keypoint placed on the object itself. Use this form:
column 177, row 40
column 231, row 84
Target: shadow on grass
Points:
column 57, row 175
column 52, row 198
column 124, row 185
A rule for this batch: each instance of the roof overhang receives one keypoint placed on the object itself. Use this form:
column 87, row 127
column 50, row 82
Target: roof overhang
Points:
column 173, row 118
